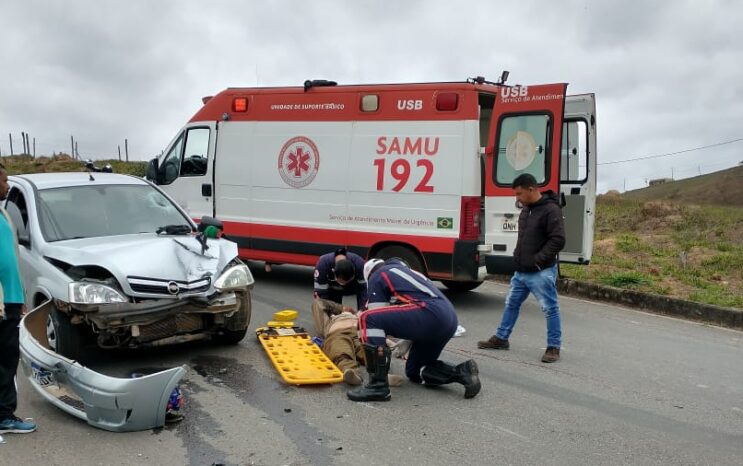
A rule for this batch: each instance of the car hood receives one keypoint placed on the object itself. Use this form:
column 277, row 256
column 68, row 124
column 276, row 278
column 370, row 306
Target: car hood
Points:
column 147, row 255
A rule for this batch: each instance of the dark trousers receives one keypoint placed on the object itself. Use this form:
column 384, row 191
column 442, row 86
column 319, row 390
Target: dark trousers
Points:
column 9, row 355
column 429, row 325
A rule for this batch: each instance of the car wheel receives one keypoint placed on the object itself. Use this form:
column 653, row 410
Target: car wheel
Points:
column 461, row 287
column 236, row 327
column 63, row 337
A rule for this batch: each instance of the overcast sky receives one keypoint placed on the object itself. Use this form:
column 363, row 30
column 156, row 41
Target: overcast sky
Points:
column 667, row 74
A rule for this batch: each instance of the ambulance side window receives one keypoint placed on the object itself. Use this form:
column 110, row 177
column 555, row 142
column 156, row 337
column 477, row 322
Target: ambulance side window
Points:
column 195, row 156
column 171, row 165
column 522, row 148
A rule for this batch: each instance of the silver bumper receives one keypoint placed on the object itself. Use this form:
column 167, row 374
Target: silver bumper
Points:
column 109, row 403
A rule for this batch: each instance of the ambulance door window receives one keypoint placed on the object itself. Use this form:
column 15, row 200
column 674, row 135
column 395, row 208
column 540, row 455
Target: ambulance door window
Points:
column 522, row 148
column 171, row 166
column 195, row 156
column 574, row 152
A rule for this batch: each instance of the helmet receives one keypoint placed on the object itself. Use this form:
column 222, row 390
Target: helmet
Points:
column 369, row 267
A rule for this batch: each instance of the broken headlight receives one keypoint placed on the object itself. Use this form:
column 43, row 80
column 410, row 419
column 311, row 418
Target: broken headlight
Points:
column 94, row 293
column 234, row 278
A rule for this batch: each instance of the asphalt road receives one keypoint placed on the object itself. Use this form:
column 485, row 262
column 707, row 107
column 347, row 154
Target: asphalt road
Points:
column 632, row 388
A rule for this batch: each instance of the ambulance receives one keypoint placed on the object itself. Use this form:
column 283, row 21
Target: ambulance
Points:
column 417, row 171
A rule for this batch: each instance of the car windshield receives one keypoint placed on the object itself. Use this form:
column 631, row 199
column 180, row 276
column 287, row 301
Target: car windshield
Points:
column 104, row 210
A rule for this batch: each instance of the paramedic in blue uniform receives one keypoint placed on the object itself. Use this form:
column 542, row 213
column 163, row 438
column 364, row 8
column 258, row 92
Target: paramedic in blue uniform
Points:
column 339, row 274
column 405, row 304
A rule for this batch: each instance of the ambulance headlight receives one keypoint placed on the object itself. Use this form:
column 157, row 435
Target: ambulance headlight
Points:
column 94, row 293
column 234, row 278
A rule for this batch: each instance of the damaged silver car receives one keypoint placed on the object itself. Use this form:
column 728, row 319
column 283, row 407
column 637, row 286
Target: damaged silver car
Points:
column 124, row 266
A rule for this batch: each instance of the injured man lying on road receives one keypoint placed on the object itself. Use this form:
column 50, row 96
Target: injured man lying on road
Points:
column 339, row 330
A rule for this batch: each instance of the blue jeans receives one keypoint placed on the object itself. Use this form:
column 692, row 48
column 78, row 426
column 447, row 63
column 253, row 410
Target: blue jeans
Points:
column 542, row 285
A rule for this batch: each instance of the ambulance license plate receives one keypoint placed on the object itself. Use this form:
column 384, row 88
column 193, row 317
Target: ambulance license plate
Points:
column 510, row 225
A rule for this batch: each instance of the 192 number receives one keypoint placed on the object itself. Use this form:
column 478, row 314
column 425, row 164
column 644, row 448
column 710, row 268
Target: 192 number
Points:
column 400, row 170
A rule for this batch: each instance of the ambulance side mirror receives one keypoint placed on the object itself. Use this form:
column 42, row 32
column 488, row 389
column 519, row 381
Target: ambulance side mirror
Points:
column 153, row 171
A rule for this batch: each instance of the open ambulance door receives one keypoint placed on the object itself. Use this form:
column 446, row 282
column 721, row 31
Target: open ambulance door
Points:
column 524, row 137
column 578, row 177
column 186, row 169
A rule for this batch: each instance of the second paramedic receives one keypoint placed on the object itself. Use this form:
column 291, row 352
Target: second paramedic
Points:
column 405, row 304
column 339, row 274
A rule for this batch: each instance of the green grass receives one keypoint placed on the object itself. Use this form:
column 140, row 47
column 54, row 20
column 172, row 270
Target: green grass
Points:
column 20, row 164
column 639, row 247
column 629, row 279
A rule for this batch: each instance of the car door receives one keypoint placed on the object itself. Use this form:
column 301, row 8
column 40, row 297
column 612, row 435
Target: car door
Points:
column 16, row 205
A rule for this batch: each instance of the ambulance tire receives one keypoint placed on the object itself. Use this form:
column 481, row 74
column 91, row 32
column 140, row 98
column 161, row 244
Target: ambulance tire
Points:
column 404, row 253
column 461, row 287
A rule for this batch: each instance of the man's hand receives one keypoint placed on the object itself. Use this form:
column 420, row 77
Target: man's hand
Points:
column 24, row 310
column 349, row 309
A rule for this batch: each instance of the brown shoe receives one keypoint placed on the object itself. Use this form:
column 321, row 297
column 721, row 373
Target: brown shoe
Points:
column 493, row 343
column 551, row 355
column 352, row 377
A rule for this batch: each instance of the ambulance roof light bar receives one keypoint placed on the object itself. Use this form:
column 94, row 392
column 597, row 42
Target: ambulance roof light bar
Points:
column 482, row 80
column 310, row 83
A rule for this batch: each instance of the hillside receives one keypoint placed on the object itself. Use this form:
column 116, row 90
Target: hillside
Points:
column 672, row 247
column 18, row 164
column 720, row 188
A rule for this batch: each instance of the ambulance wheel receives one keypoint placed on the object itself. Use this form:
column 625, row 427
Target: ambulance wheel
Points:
column 404, row 253
column 461, row 287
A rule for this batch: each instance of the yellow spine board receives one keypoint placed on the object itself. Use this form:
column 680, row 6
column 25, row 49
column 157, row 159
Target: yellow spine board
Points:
column 298, row 359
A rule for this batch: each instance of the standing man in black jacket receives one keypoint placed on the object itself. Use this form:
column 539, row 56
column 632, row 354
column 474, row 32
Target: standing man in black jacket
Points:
column 541, row 238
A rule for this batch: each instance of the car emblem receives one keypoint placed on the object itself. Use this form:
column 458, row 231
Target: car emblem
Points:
column 173, row 288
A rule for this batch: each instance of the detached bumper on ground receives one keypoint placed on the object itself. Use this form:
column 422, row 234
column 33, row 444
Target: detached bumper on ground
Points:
column 109, row 403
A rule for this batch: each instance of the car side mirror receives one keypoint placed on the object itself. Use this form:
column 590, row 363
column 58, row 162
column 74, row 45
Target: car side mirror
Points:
column 207, row 221
column 153, row 169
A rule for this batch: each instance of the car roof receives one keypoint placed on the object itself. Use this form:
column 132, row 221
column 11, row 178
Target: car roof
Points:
column 64, row 180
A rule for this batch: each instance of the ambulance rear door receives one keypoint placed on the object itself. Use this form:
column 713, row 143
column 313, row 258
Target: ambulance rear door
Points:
column 578, row 177
column 524, row 137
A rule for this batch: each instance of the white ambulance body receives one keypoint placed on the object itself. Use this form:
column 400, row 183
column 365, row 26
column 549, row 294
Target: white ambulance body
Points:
column 418, row 171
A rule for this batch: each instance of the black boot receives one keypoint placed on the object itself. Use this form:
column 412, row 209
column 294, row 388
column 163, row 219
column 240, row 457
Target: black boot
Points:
column 441, row 373
column 377, row 365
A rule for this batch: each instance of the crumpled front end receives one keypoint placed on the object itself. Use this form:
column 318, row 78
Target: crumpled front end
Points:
column 109, row 403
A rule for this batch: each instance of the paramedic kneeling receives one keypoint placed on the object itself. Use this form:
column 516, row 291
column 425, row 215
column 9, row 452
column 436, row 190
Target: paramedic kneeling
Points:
column 405, row 304
column 339, row 274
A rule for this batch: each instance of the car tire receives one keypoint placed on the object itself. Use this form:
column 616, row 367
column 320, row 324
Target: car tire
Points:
column 65, row 338
column 236, row 326
column 461, row 287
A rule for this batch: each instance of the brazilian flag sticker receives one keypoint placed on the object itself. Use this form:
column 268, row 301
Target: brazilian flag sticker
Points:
column 445, row 222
